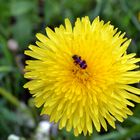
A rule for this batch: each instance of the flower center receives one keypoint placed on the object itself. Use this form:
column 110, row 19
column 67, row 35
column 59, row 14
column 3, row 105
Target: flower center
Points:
column 80, row 72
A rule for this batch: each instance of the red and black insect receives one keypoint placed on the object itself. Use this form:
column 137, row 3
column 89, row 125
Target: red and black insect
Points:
column 79, row 61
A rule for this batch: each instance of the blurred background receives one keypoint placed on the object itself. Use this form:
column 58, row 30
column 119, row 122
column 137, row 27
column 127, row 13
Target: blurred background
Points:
column 20, row 20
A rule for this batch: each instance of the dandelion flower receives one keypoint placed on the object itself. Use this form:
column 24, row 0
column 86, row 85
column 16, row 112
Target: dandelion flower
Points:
column 82, row 75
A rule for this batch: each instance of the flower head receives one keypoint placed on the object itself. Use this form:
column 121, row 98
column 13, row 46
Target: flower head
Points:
column 82, row 75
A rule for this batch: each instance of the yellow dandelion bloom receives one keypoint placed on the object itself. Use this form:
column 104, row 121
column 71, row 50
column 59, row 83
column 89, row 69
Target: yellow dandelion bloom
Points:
column 82, row 75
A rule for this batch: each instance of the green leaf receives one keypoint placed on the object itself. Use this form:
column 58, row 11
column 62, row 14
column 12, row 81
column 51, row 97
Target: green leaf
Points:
column 20, row 7
column 7, row 54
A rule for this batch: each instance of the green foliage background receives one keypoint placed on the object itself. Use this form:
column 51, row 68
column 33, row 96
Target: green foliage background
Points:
column 20, row 20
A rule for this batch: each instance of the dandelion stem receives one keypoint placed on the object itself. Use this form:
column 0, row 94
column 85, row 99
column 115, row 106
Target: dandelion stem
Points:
column 7, row 95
